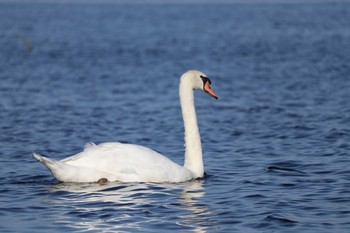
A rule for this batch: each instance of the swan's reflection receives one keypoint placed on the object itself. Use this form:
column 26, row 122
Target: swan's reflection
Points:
column 137, row 206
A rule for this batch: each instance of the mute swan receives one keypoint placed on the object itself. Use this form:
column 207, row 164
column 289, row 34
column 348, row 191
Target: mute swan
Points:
column 114, row 161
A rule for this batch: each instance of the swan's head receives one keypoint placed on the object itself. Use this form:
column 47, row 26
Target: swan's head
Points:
column 198, row 80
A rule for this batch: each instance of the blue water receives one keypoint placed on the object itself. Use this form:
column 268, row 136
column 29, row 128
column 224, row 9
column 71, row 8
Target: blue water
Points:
column 276, row 144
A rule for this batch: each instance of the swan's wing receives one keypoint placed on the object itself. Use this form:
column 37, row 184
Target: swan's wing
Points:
column 113, row 155
column 88, row 146
column 120, row 153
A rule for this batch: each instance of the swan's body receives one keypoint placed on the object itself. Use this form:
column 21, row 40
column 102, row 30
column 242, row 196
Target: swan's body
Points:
column 132, row 163
column 117, row 161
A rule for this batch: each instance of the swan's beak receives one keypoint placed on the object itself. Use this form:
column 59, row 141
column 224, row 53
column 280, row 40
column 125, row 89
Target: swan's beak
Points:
column 210, row 91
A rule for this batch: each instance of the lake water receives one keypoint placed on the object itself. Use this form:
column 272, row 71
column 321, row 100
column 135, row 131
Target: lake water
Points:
column 276, row 144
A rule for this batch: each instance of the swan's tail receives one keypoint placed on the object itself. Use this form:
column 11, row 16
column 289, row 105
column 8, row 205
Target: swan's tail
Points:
column 69, row 173
column 55, row 167
column 46, row 161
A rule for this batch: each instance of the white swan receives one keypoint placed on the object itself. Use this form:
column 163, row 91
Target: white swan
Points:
column 114, row 161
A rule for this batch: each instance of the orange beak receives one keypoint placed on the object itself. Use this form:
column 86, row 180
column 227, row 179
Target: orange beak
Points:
column 210, row 91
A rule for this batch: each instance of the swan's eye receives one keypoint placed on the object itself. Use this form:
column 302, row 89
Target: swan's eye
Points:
column 205, row 79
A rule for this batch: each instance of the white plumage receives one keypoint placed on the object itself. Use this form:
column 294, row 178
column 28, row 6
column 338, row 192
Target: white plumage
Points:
column 133, row 163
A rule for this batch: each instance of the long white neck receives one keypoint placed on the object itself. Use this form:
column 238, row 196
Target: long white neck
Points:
column 193, row 146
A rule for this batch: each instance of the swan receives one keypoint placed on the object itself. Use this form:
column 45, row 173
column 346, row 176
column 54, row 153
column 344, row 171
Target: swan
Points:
column 114, row 161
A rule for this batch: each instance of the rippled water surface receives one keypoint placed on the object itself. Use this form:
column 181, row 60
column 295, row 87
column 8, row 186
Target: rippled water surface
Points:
column 276, row 144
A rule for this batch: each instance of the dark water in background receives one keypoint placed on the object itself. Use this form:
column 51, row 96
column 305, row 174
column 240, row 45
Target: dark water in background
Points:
column 276, row 144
